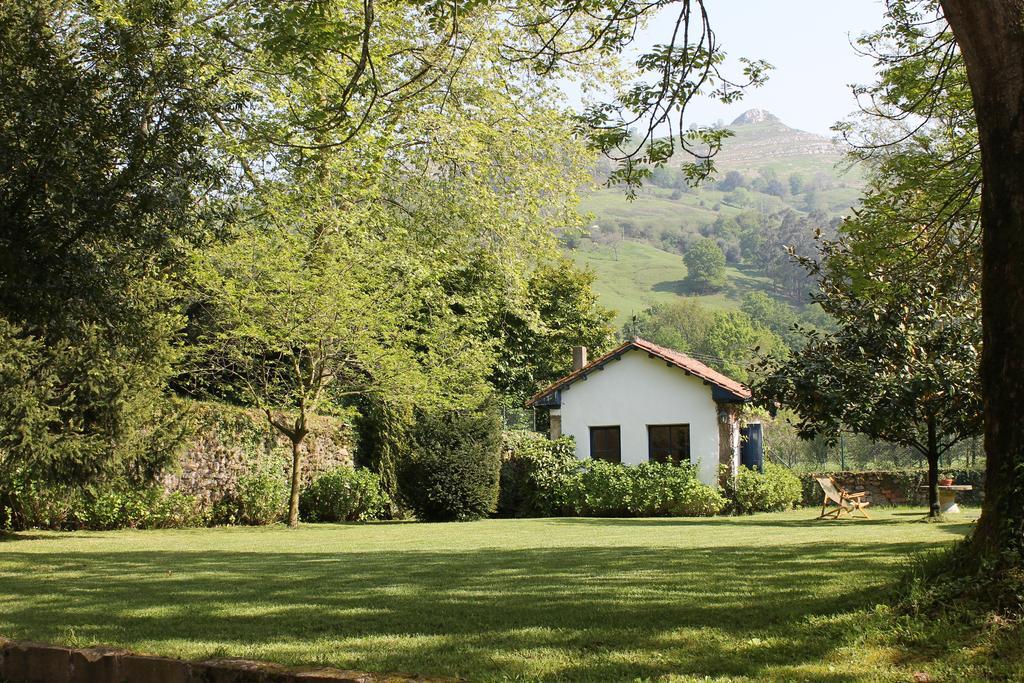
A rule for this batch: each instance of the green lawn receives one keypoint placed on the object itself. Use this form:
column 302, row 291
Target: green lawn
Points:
column 764, row 597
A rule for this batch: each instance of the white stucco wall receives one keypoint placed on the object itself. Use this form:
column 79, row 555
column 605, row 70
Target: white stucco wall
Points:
column 637, row 391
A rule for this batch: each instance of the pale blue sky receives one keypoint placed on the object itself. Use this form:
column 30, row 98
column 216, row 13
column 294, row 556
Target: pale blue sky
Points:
column 808, row 42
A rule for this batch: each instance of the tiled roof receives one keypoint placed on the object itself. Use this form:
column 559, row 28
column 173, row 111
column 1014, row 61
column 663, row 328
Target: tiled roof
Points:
column 680, row 360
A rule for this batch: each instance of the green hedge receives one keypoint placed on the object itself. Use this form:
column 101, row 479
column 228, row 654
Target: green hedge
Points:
column 344, row 495
column 25, row 504
column 601, row 489
column 906, row 484
column 773, row 490
column 535, row 472
column 258, row 498
column 543, row 478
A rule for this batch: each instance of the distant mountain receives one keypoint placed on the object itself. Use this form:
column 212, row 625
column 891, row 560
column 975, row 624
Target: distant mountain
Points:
column 761, row 140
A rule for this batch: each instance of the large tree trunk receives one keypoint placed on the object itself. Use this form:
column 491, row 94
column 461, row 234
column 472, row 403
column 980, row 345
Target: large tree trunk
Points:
column 990, row 34
column 293, row 499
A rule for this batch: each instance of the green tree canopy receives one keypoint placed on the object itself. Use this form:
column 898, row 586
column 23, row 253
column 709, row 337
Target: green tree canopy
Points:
column 105, row 181
column 705, row 265
column 535, row 337
column 728, row 341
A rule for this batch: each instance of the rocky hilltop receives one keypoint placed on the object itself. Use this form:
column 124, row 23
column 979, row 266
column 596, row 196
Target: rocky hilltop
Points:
column 761, row 139
column 755, row 116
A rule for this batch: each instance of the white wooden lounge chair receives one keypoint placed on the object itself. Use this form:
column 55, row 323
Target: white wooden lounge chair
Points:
column 845, row 502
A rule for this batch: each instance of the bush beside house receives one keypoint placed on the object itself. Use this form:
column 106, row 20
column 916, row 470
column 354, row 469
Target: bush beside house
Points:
column 773, row 490
column 652, row 489
column 534, row 474
column 542, row 478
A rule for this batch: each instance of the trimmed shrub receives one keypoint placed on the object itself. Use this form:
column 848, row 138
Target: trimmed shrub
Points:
column 535, row 472
column 602, row 489
column 540, row 477
column 451, row 473
column 772, row 491
column 177, row 510
column 124, row 506
column 258, row 498
column 661, row 489
column 344, row 495
column 112, row 505
column 27, row 504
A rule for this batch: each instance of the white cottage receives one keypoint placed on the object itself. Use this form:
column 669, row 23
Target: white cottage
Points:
column 643, row 402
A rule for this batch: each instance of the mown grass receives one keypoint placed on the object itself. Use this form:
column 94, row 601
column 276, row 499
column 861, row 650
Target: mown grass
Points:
column 779, row 596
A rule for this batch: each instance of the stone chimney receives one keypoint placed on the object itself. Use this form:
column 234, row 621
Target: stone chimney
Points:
column 579, row 357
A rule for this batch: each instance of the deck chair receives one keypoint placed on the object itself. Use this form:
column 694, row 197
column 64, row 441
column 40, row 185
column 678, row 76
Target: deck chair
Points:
column 845, row 502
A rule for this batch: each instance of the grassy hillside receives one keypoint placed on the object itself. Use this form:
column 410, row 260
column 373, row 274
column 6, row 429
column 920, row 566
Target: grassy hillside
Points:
column 655, row 210
column 765, row 169
column 632, row 275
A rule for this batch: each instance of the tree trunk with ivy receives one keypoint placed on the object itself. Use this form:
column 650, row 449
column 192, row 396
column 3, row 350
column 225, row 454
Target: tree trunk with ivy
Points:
column 383, row 430
column 293, row 498
column 991, row 38
column 296, row 434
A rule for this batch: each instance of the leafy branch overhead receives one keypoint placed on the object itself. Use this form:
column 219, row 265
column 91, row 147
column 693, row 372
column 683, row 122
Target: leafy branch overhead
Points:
column 308, row 77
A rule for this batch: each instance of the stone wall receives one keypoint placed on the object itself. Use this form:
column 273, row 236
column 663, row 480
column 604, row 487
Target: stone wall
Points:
column 25, row 662
column 229, row 442
column 893, row 487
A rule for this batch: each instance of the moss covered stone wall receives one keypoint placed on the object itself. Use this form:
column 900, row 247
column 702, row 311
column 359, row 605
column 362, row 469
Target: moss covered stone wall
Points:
column 227, row 442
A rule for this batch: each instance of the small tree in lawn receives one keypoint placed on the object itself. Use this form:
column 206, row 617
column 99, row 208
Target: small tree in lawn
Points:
column 901, row 367
column 705, row 264
column 314, row 305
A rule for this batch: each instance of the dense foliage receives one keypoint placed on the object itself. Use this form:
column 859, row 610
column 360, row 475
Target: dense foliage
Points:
column 344, row 495
column 26, row 504
column 724, row 340
column 542, row 478
column 534, row 338
column 773, row 490
column 258, row 498
column 602, row 489
column 534, row 474
column 383, row 436
column 452, row 471
column 104, row 166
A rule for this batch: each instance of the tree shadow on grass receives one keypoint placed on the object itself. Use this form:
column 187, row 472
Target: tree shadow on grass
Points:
column 688, row 288
column 581, row 613
column 953, row 526
column 10, row 537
